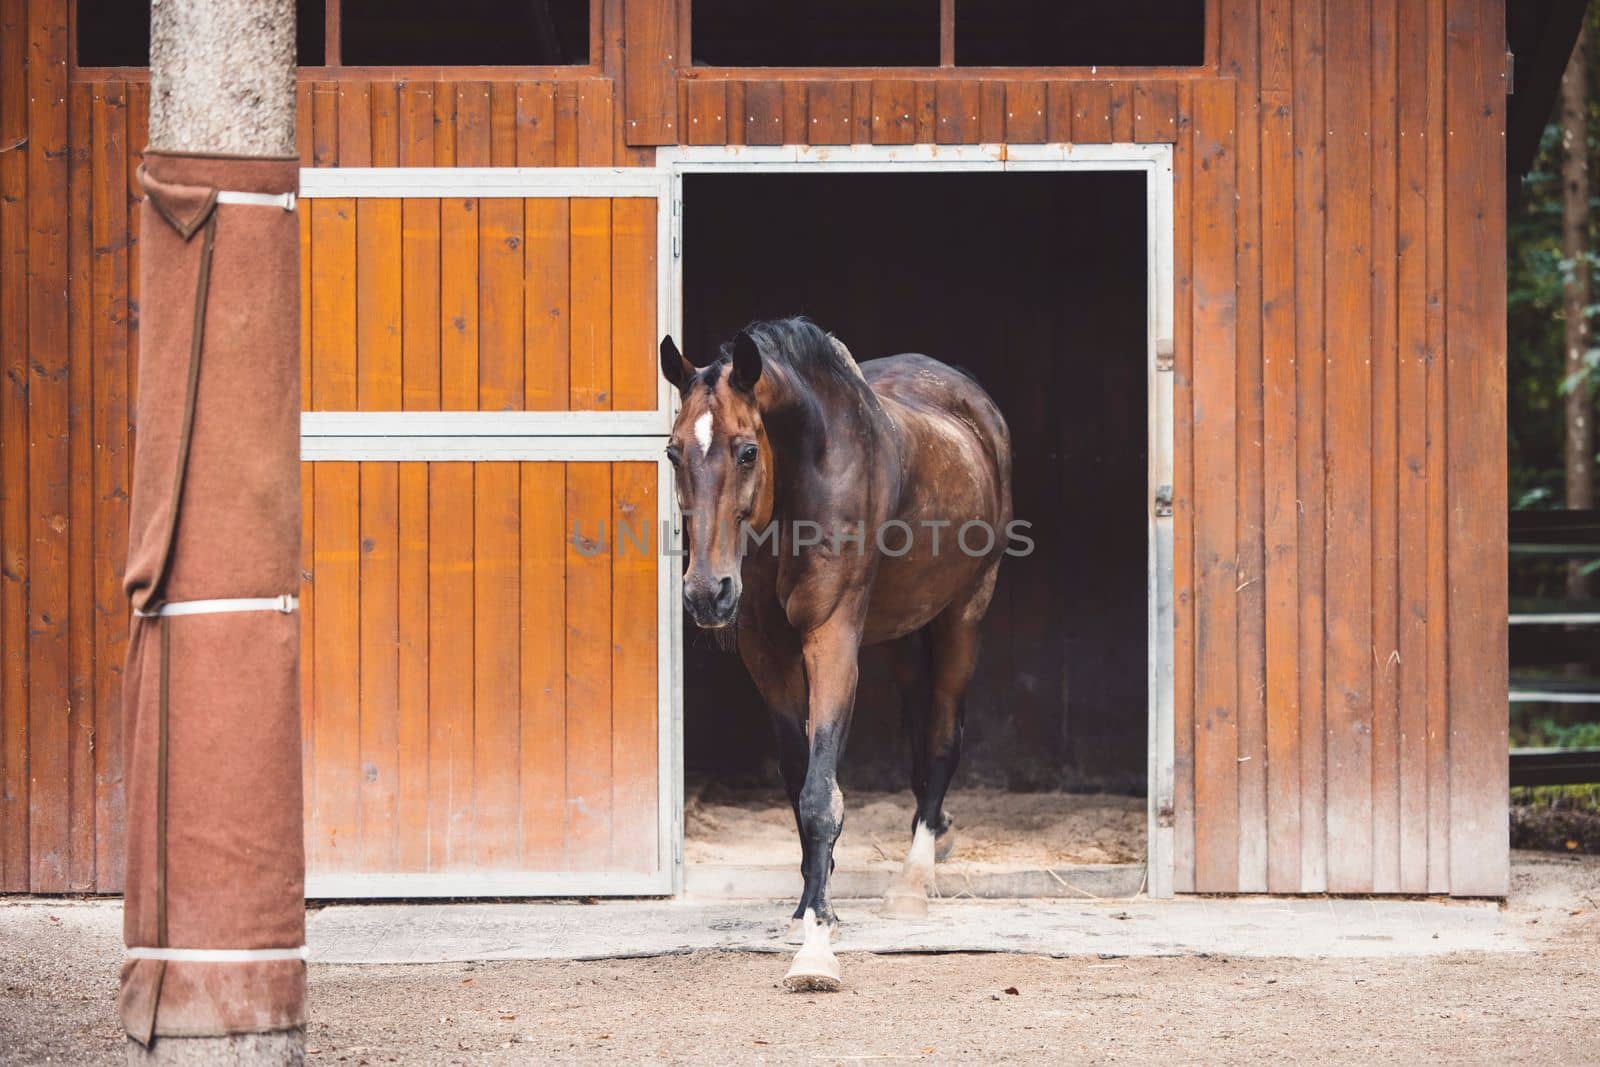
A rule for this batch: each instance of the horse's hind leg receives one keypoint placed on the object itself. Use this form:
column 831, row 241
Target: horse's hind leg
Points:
column 954, row 656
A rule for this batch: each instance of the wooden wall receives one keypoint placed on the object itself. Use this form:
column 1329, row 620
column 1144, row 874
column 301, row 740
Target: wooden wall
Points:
column 1340, row 486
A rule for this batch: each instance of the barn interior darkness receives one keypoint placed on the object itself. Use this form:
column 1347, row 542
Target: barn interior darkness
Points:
column 1035, row 283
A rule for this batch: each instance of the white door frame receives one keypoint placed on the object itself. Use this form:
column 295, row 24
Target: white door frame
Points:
column 1155, row 162
column 577, row 436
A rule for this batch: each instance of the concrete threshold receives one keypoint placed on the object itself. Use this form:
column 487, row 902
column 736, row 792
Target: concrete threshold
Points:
column 1240, row 927
column 954, row 881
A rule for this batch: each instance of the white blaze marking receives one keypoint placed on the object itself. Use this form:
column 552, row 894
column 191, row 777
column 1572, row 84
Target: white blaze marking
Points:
column 702, row 433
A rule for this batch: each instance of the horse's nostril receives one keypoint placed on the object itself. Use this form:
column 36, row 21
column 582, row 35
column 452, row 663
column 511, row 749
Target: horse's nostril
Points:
column 725, row 593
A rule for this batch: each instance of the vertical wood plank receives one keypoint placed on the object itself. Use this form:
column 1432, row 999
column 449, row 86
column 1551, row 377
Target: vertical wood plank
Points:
column 594, row 123
column 411, row 701
column 355, row 125
column 384, row 101
column 590, row 296
column 1438, row 581
column 458, row 304
column 111, row 460
column 1155, row 112
column 957, row 103
column 81, row 514
column 1091, row 113
column 325, row 124
column 991, row 112
column 706, row 112
column 566, row 124
column 49, row 795
column 828, row 105
column 334, row 835
column 1310, row 178
column 536, row 124
column 333, row 304
column 472, row 133
column 500, row 304
column 650, row 72
column 634, row 367
column 634, row 632
column 547, row 299
column 763, row 113
column 925, row 112
column 1183, row 502
column 1241, row 57
column 1281, row 509
column 419, row 259
column 892, row 106
column 1025, row 114
column 1121, row 111
column 1412, row 490
column 1216, row 748
column 444, row 124
column 588, row 667
column 1348, row 413
column 379, row 623
column 796, row 127
column 308, row 643
column 735, row 113
column 14, row 863
column 1058, row 111
column 450, row 665
column 861, row 112
column 1475, row 397
column 378, row 275
column 496, row 677
column 503, row 124
column 1385, row 469
column 543, row 633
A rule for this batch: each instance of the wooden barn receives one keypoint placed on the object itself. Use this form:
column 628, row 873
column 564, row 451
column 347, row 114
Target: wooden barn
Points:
column 1234, row 269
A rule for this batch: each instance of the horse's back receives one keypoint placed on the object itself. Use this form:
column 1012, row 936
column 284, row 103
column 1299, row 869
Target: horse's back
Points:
column 941, row 406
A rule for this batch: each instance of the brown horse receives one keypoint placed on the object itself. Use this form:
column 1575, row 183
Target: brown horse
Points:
column 830, row 506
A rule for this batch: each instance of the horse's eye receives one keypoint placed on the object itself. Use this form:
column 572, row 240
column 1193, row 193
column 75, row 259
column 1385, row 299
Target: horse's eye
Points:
column 674, row 456
column 747, row 455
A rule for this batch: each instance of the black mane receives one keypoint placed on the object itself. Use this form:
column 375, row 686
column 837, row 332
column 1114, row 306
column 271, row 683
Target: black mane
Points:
column 801, row 347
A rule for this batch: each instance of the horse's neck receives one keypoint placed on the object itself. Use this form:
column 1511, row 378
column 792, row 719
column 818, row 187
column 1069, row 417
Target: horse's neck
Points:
column 814, row 424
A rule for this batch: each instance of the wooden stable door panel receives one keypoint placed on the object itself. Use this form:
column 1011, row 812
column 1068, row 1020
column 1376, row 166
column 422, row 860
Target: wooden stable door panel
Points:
column 480, row 304
column 480, row 659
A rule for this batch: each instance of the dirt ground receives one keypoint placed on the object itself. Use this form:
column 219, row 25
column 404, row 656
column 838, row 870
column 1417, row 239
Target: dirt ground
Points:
column 993, row 828
column 57, row 987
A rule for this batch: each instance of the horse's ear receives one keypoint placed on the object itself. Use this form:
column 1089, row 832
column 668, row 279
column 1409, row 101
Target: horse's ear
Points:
column 746, row 362
column 674, row 368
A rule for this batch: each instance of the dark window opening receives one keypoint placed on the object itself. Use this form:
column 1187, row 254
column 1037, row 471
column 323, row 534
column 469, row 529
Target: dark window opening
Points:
column 116, row 33
column 384, row 33
column 1048, row 33
column 815, row 33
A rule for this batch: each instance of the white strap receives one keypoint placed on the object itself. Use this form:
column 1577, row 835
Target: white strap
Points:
column 283, row 200
column 219, row 955
column 286, row 604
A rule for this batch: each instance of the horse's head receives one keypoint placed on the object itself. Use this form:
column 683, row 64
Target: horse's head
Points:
column 722, row 465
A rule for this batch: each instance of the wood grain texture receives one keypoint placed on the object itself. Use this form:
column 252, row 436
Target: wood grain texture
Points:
column 634, row 633
column 650, row 101
column 1348, row 428
column 589, row 727
column 1475, row 398
column 1216, row 726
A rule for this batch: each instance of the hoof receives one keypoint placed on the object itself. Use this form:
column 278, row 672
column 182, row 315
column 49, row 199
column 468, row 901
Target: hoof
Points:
column 815, row 968
column 902, row 903
column 944, row 844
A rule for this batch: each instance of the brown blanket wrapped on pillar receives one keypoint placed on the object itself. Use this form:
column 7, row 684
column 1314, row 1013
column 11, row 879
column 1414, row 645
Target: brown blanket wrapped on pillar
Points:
column 214, row 913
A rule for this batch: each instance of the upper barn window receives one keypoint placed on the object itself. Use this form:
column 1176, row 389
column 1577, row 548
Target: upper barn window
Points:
column 815, row 33
column 116, row 33
column 1049, row 33
column 394, row 33
column 931, row 33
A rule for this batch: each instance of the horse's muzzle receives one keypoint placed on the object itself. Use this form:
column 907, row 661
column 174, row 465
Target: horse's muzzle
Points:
column 712, row 607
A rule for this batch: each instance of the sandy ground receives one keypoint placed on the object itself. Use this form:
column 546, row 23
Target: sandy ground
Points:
column 993, row 827
column 56, row 1003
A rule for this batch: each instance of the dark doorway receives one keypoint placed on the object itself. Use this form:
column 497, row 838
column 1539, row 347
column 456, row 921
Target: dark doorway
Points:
column 1036, row 283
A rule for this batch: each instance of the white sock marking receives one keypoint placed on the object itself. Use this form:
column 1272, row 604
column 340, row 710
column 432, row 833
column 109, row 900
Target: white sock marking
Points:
column 702, row 433
column 919, row 860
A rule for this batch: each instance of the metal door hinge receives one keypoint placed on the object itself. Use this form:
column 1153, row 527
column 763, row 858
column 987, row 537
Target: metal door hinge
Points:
column 1163, row 501
column 677, row 229
column 1163, row 353
column 1511, row 72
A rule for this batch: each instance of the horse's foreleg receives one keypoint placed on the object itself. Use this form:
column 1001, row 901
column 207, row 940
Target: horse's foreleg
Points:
column 954, row 658
column 830, row 661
